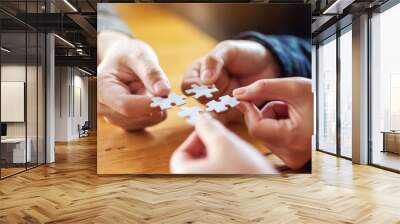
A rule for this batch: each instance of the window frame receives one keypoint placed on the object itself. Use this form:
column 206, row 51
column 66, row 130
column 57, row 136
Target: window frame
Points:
column 333, row 37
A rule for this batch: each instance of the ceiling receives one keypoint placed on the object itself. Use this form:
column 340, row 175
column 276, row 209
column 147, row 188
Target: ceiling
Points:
column 22, row 21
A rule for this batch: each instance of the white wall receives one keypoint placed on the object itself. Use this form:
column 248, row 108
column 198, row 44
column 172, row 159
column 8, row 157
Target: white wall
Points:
column 71, row 93
column 61, row 103
column 81, row 102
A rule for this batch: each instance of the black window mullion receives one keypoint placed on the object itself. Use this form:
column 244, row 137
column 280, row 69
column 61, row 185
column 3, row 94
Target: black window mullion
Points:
column 317, row 96
column 37, row 90
column 369, row 81
column 338, row 100
column 26, row 87
column 0, row 97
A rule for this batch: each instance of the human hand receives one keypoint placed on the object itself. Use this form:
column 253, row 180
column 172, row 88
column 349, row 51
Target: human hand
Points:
column 128, row 76
column 231, row 64
column 213, row 149
column 285, row 124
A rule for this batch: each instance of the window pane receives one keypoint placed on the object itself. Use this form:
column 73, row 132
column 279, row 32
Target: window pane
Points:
column 31, row 97
column 41, row 98
column 346, row 94
column 14, row 150
column 327, row 97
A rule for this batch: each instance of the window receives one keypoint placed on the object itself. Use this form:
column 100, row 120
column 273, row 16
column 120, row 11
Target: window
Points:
column 385, row 89
column 327, row 96
column 346, row 95
column 22, row 88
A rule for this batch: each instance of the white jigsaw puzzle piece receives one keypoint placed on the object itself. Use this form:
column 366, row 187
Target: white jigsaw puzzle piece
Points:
column 163, row 103
column 228, row 100
column 190, row 113
column 176, row 99
column 201, row 90
column 168, row 102
column 221, row 105
column 216, row 106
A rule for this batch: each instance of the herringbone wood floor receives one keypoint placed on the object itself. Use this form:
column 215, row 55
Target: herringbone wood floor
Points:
column 69, row 191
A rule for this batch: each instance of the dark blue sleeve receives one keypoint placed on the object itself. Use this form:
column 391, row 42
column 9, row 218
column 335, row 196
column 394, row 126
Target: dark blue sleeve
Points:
column 292, row 53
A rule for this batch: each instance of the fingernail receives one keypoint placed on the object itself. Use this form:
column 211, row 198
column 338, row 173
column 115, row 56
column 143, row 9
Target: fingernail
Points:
column 239, row 91
column 161, row 87
column 206, row 75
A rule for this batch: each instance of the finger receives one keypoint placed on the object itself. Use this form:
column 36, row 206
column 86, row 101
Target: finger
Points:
column 136, row 123
column 213, row 63
column 251, row 113
column 232, row 115
column 223, row 84
column 282, row 89
column 275, row 110
column 145, row 65
column 137, row 87
column 181, row 165
column 190, row 157
column 267, row 129
column 212, row 133
column 117, row 96
column 191, row 76
column 193, row 147
column 130, row 124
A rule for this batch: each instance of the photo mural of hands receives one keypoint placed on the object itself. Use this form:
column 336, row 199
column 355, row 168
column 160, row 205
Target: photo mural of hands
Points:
column 128, row 76
column 209, row 61
column 231, row 64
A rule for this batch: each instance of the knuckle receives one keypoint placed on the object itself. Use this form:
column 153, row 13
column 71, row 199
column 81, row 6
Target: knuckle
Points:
column 261, row 85
column 104, row 78
column 294, row 88
column 153, row 73
column 213, row 60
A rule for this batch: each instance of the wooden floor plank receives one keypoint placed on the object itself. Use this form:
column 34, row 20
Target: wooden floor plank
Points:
column 70, row 191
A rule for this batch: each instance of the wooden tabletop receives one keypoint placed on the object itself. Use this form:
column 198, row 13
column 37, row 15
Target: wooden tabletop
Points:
column 177, row 43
